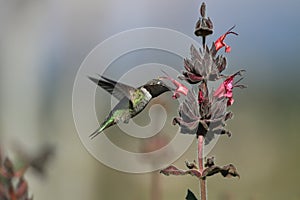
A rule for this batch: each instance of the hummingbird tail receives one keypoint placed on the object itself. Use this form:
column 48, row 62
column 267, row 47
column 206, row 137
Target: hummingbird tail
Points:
column 103, row 126
column 95, row 133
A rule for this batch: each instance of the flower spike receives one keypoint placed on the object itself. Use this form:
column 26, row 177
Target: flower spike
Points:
column 204, row 110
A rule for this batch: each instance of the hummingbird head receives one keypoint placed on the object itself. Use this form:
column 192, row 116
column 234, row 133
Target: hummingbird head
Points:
column 156, row 87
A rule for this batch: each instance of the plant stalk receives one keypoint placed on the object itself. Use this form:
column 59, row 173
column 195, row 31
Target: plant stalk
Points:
column 203, row 194
column 203, row 42
column 156, row 187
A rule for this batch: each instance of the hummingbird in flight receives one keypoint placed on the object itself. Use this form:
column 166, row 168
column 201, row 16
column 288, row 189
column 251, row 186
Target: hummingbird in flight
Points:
column 131, row 100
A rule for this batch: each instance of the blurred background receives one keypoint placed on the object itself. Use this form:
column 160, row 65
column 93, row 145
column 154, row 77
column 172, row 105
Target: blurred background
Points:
column 43, row 43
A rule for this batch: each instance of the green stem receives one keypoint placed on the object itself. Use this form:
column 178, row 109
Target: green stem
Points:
column 203, row 194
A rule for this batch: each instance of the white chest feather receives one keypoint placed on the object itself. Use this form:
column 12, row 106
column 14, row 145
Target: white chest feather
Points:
column 147, row 94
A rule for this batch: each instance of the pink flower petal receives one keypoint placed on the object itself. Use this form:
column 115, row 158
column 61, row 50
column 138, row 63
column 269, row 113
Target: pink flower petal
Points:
column 180, row 88
column 200, row 97
column 230, row 101
column 225, row 89
column 227, row 49
column 219, row 43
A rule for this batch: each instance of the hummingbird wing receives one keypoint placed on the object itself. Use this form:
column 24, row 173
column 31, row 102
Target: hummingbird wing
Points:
column 118, row 90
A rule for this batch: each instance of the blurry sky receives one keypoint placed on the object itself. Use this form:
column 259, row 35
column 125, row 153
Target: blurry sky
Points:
column 43, row 43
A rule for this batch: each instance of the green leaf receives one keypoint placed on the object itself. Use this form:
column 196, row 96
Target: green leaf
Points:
column 229, row 171
column 226, row 171
column 190, row 195
column 172, row 170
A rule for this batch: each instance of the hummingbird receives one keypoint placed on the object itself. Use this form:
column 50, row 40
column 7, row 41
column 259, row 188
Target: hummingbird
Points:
column 131, row 100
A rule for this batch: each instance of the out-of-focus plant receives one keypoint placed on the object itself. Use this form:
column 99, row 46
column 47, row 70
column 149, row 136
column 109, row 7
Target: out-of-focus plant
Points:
column 204, row 111
column 13, row 185
column 151, row 145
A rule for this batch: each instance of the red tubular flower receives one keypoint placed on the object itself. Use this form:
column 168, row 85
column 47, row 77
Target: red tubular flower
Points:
column 225, row 89
column 219, row 43
column 200, row 97
column 180, row 88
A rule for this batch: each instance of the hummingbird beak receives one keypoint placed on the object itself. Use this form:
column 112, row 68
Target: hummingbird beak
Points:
column 163, row 84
